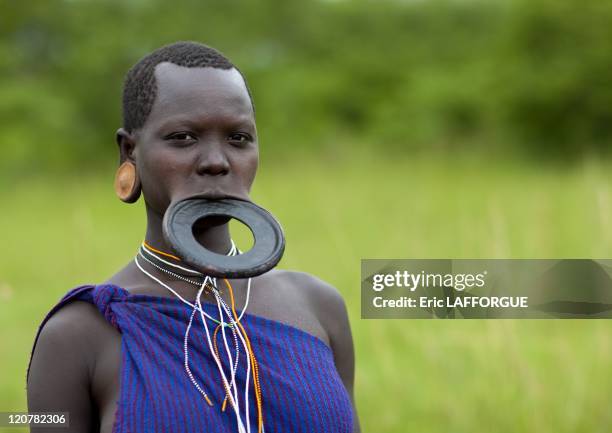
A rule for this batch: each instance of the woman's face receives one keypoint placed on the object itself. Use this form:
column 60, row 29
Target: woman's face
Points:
column 200, row 137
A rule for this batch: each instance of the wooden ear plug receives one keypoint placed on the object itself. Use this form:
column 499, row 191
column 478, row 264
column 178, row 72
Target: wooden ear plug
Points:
column 127, row 184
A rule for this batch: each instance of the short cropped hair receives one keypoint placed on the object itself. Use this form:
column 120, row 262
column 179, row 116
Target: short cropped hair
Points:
column 140, row 86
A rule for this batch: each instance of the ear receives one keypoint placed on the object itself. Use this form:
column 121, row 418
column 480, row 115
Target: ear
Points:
column 127, row 180
column 127, row 145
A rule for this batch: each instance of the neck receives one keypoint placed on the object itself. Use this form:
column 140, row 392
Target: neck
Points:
column 212, row 233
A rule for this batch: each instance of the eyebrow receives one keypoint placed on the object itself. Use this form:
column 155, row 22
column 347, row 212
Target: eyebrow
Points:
column 197, row 122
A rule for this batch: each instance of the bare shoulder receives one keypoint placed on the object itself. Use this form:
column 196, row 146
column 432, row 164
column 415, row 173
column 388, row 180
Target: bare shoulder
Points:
column 326, row 301
column 315, row 288
column 67, row 336
column 75, row 320
column 62, row 362
column 73, row 310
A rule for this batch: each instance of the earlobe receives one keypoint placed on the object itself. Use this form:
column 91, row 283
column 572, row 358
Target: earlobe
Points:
column 127, row 181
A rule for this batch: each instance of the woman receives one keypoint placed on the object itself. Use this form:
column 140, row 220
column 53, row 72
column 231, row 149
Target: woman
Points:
column 129, row 354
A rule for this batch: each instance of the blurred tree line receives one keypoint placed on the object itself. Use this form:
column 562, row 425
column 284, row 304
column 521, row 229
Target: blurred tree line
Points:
column 396, row 76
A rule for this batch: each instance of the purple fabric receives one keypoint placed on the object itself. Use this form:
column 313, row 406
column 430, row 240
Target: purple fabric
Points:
column 300, row 386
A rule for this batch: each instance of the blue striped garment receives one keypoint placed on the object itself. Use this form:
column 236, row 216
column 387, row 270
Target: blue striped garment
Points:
column 300, row 386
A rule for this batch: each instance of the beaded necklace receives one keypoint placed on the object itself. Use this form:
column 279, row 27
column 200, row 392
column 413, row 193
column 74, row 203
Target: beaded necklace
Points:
column 150, row 255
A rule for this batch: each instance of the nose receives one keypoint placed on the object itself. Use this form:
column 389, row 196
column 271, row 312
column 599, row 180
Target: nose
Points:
column 213, row 161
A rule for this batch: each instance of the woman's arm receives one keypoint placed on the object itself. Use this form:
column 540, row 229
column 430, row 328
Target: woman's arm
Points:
column 344, row 355
column 60, row 368
column 334, row 317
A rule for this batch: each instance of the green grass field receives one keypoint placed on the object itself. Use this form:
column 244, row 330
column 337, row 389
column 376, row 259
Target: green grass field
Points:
column 412, row 375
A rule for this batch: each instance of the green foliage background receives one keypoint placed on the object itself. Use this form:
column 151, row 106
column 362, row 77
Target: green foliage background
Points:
column 416, row 128
column 396, row 77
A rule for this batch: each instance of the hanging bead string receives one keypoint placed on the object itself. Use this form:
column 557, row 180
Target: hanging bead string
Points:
column 232, row 252
column 237, row 350
column 217, row 361
column 221, row 302
column 237, row 331
column 186, row 359
column 233, row 398
column 253, row 361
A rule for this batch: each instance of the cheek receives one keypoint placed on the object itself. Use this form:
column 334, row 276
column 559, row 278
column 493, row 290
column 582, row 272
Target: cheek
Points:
column 164, row 164
column 251, row 169
column 159, row 171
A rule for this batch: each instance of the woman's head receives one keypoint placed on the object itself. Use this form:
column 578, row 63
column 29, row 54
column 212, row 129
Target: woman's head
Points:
column 188, row 125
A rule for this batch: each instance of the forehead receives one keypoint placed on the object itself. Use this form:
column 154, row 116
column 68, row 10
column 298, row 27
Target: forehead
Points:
column 202, row 92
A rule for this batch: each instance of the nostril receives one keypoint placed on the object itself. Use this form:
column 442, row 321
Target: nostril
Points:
column 212, row 160
column 213, row 169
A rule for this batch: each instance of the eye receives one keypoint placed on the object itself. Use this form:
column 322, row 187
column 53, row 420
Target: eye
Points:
column 182, row 137
column 239, row 137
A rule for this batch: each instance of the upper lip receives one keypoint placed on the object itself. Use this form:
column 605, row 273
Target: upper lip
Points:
column 216, row 195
